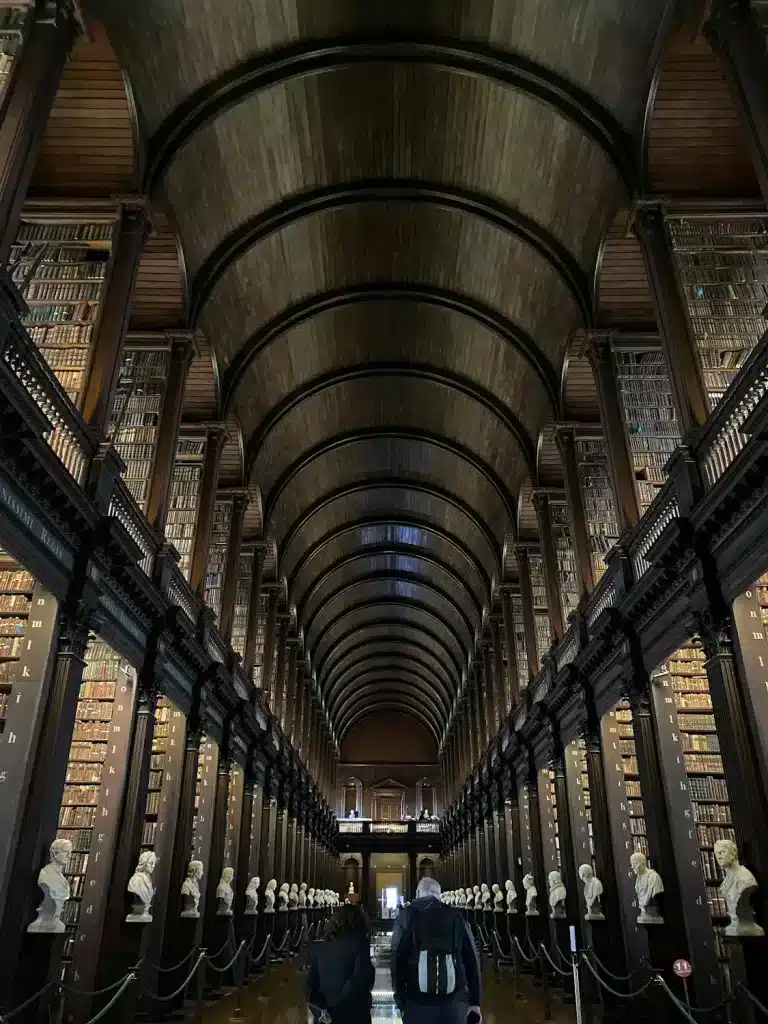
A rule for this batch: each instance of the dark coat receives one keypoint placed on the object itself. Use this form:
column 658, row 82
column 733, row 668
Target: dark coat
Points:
column 341, row 979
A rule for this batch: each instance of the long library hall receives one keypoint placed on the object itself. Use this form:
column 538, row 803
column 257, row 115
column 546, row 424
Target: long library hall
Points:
column 383, row 499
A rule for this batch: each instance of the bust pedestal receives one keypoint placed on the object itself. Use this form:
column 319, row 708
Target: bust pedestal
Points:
column 747, row 959
column 38, row 963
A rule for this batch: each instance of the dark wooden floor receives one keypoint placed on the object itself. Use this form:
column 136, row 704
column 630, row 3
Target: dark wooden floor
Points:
column 277, row 998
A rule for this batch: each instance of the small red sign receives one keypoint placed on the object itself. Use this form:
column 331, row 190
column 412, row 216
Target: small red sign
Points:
column 682, row 968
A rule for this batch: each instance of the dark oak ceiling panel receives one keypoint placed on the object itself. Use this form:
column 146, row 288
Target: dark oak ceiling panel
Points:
column 386, row 402
column 345, row 551
column 579, row 389
column 158, row 300
column 696, row 143
column 388, row 636
column 389, row 214
column 623, row 293
column 528, row 526
column 89, row 147
column 588, row 42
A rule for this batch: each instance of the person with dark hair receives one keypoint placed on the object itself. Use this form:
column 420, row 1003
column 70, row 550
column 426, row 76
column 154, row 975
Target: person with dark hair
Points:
column 341, row 974
column 435, row 970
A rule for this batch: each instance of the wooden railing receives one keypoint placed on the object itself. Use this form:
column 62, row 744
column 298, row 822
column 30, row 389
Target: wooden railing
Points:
column 68, row 435
column 123, row 507
column 180, row 594
column 663, row 509
column 722, row 438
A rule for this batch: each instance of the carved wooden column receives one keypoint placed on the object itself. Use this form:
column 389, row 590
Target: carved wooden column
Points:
column 741, row 762
column 549, row 558
column 114, row 314
column 499, row 687
column 737, row 38
column 493, row 701
column 212, row 938
column 254, row 610
column 288, row 711
column 529, row 619
column 481, row 705
column 600, row 355
column 672, row 838
column 216, row 435
column 566, row 443
column 513, row 680
column 26, row 106
column 232, row 566
column 33, row 767
column 266, row 867
column 675, row 329
column 281, row 645
column 182, row 352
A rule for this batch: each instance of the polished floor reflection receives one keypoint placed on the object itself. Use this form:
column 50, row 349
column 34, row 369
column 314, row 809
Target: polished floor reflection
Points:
column 278, row 998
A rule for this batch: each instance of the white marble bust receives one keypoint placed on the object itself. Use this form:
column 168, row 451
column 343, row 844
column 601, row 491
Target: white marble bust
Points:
column 225, row 893
column 269, row 896
column 302, row 895
column 485, row 896
column 142, row 888
column 648, row 887
column 593, row 891
column 310, row 898
column 531, row 895
column 55, row 889
column 190, row 889
column 319, row 898
column 462, row 897
column 293, row 897
column 470, row 897
column 351, row 889
column 282, row 897
column 737, row 888
column 509, row 885
column 557, row 894
column 498, row 897
column 252, row 897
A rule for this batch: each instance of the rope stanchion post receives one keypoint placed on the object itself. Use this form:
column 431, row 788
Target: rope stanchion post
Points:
column 197, row 1013
column 545, row 983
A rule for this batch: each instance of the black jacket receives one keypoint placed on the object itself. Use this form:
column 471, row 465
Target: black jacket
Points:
column 402, row 949
column 341, row 978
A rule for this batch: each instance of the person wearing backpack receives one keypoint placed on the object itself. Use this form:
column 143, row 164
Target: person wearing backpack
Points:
column 435, row 969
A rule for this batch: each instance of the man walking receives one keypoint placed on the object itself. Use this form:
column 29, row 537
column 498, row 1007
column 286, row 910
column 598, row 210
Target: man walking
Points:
column 435, row 970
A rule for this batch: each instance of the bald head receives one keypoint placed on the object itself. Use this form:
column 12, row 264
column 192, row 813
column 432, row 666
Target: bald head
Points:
column 428, row 887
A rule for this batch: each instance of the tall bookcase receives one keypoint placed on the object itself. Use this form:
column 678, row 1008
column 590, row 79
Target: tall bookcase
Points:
column 650, row 418
column 60, row 269
column 703, row 765
column 722, row 267
column 185, row 498
column 599, row 505
column 95, row 754
column 12, row 21
column 540, row 606
column 521, row 653
column 568, row 576
column 217, row 555
column 242, row 601
column 634, row 794
column 136, row 413
column 160, row 737
column 16, row 588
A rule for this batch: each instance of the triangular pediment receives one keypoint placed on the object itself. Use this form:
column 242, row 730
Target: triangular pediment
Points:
column 388, row 784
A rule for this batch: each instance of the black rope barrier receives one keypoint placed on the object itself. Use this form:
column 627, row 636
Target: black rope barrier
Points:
column 173, row 995
column 613, row 991
column 553, row 965
column 223, row 970
column 755, row 1001
column 170, row 970
column 130, row 977
column 616, row 977
column 528, row 959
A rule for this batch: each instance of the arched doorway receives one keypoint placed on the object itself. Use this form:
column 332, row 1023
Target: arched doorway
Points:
column 351, row 874
column 353, row 798
column 426, row 868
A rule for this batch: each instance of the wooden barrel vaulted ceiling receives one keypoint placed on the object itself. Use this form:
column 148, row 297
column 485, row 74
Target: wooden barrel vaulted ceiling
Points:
column 391, row 215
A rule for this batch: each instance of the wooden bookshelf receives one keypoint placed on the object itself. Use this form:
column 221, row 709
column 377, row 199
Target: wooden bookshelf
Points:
column 16, row 589
column 568, row 574
column 185, row 499
column 12, row 21
column 242, row 601
column 649, row 414
column 703, row 765
column 136, row 413
column 160, row 737
column 540, row 606
column 599, row 505
column 217, row 555
column 60, row 269
column 634, row 804
column 722, row 266
column 93, row 756
column 520, row 650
